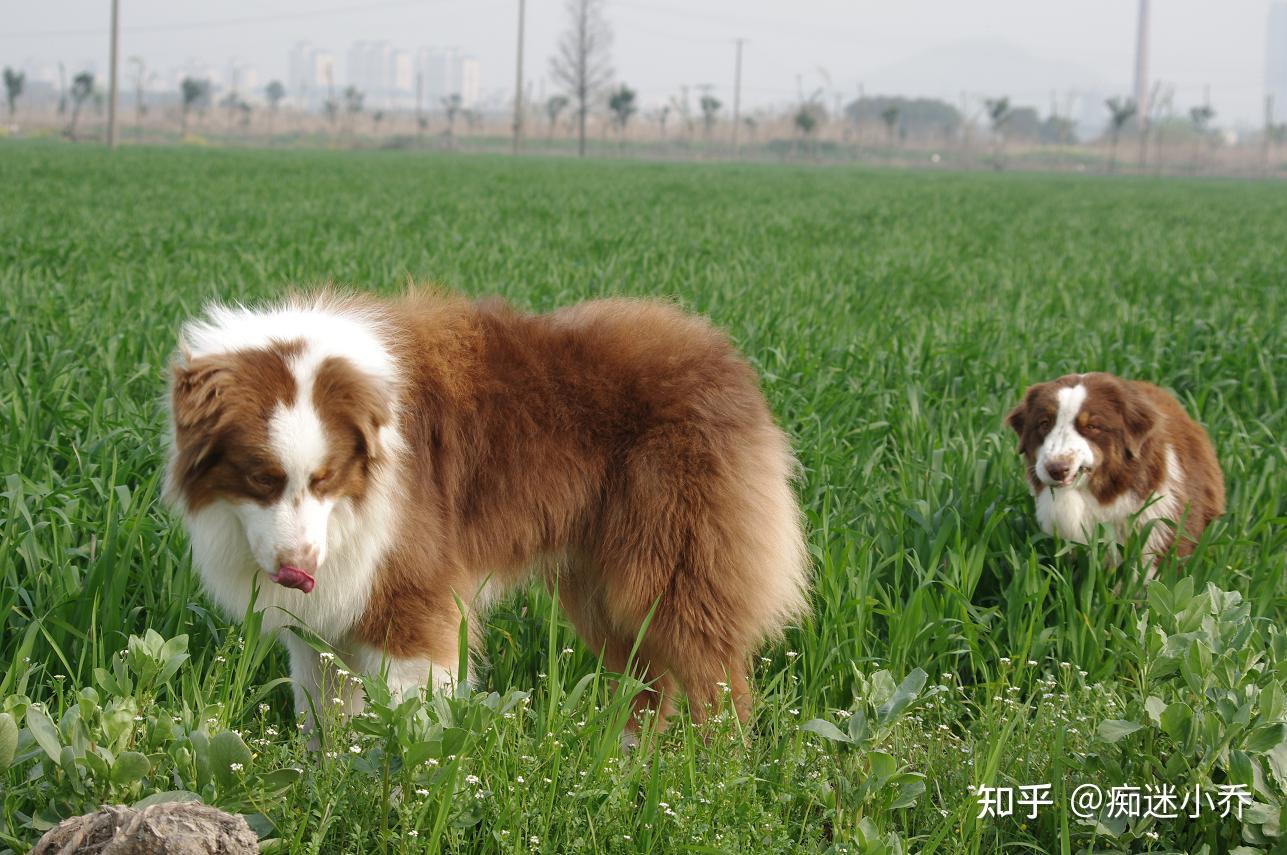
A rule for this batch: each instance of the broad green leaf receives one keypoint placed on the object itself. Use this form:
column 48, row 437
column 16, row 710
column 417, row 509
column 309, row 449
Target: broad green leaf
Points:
column 825, row 729
column 1265, row 737
column 227, row 750
column 1113, row 729
column 903, row 696
column 1176, row 722
column 278, row 780
column 908, row 788
column 1155, row 706
column 130, row 766
column 419, row 752
column 166, row 797
column 453, row 739
column 44, row 732
column 858, row 728
column 883, row 765
column 8, row 740
column 882, row 688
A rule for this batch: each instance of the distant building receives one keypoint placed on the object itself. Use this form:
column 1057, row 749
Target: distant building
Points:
column 312, row 76
column 244, row 79
column 446, row 72
column 1090, row 114
column 404, row 78
column 1276, row 59
column 370, row 69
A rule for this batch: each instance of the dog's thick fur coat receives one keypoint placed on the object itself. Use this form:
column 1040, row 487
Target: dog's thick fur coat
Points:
column 620, row 449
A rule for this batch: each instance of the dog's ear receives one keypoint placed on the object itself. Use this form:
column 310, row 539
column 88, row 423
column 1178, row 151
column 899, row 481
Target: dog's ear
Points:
column 196, row 390
column 1017, row 418
column 1139, row 416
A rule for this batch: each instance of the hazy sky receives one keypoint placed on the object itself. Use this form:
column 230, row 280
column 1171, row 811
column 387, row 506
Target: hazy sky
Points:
column 1020, row 48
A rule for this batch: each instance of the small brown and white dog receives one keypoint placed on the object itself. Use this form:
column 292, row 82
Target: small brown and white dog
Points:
column 377, row 458
column 1103, row 450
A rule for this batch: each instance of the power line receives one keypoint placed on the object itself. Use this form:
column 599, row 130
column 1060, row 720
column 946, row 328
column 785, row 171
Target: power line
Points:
column 737, row 96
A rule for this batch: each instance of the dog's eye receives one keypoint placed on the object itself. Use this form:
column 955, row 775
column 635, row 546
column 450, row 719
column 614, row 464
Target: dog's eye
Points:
column 264, row 481
column 1093, row 428
column 321, row 479
column 1043, row 425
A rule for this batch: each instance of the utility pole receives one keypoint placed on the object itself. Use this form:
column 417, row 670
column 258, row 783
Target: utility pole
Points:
column 111, row 88
column 1269, row 130
column 737, row 97
column 1141, row 81
column 1141, row 65
column 420, row 116
column 518, row 79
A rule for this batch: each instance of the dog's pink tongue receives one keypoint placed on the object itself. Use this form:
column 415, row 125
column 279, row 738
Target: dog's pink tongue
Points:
column 293, row 577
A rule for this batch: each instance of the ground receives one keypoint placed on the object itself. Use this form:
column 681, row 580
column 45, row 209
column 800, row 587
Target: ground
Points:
column 894, row 317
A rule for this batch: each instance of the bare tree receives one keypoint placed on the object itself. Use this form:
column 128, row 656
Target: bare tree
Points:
column 275, row 92
column 13, row 84
column 622, row 104
column 999, row 114
column 451, row 106
column 581, row 64
column 81, row 89
column 679, row 103
column 710, row 106
column 193, row 93
column 1120, row 111
column 232, row 103
column 62, row 89
column 889, row 116
column 354, row 99
column 661, row 115
column 140, row 108
column 1201, row 117
column 555, row 105
column 807, row 117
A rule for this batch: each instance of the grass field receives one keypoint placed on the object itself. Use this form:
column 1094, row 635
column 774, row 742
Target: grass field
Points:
column 894, row 318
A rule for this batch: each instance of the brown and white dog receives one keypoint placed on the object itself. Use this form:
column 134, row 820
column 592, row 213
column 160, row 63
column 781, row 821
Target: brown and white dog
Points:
column 376, row 459
column 1103, row 450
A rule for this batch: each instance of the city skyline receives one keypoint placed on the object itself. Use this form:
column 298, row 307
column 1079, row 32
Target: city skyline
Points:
column 924, row 48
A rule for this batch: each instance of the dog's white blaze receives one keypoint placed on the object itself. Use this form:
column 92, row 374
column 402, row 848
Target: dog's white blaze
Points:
column 299, row 442
column 1064, row 443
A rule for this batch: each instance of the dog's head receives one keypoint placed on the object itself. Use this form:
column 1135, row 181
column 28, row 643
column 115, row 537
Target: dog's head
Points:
column 282, row 435
column 1080, row 426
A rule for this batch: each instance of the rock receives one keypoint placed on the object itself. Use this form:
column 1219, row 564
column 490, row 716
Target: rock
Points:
column 170, row 828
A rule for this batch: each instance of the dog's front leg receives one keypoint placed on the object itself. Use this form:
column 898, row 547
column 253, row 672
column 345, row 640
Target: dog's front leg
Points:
column 405, row 675
column 324, row 688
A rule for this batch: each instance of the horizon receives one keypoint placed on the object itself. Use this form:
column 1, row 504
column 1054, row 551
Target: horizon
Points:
column 926, row 48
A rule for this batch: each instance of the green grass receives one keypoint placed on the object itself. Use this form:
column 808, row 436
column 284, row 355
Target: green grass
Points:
column 894, row 318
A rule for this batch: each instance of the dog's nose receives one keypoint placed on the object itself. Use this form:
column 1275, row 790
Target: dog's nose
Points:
column 303, row 557
column 1058, row 470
